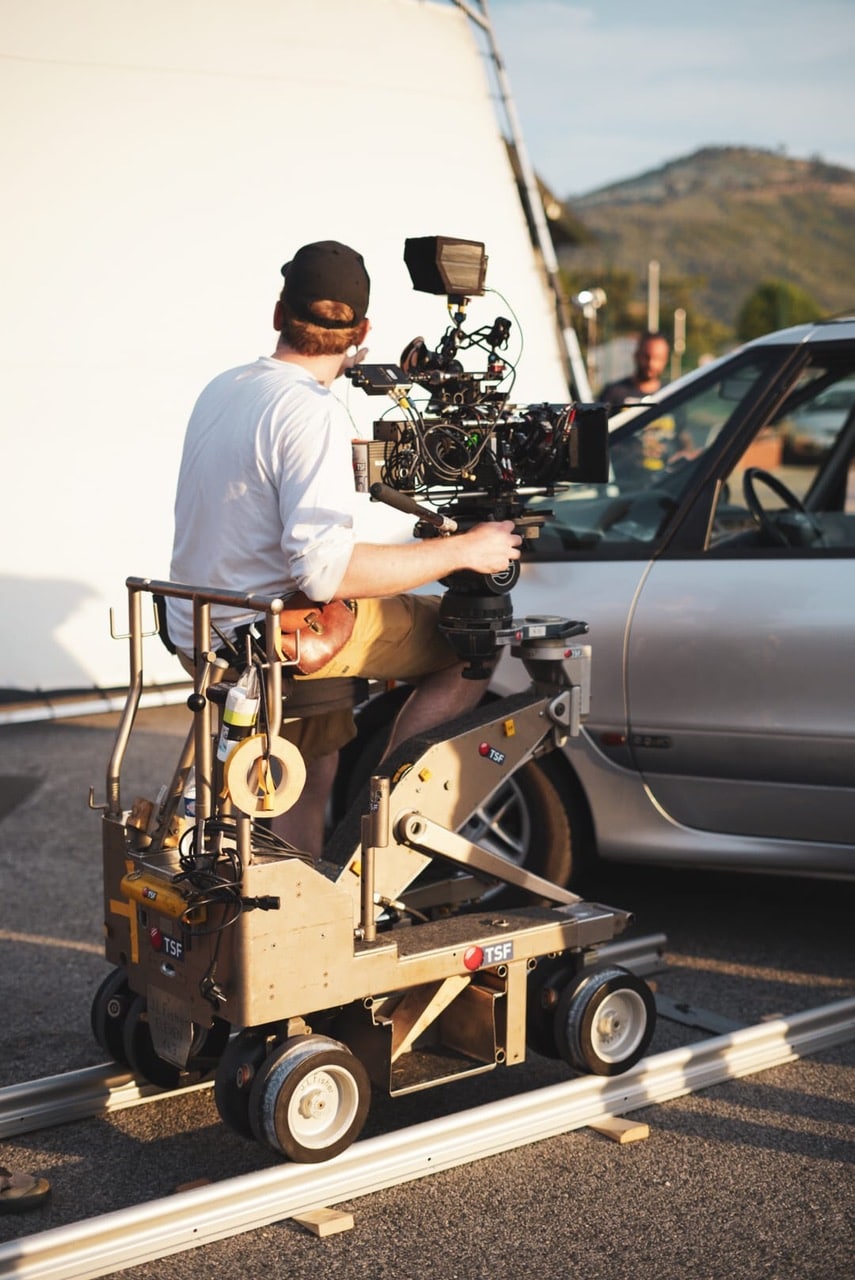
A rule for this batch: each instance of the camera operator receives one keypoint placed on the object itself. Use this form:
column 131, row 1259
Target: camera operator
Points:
column 266, row 503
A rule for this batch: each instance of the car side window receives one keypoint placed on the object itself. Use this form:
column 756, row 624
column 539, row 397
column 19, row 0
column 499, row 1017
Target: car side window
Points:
column 654, row 458
column 659, row 452
column 849, row 493
column 794, row 455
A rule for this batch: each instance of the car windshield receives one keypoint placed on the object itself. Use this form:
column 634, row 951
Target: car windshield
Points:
column 653, row 458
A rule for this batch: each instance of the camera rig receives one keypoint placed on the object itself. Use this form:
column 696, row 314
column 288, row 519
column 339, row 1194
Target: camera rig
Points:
column 301, row 984
column 460, row 444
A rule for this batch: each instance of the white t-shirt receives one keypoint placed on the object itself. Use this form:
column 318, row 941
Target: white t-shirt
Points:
column 265, row 500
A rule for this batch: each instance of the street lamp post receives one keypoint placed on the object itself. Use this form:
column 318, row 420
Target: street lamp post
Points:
column 589, row 302
column 652, row 296
column 679, row 347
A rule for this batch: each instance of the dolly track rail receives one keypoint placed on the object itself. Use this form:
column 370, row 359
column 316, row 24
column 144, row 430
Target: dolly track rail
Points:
column 129, row 1237
column 92, row 1091
column 76, row 1095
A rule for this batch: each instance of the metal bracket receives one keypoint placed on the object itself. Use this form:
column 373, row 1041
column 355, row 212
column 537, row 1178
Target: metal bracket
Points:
column 99, row 808
column 144, row 635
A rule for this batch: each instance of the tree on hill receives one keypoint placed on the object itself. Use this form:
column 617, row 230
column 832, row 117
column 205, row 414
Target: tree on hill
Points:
column 775, row 304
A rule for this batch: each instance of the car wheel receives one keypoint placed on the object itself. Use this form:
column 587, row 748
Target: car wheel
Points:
column 526, row 823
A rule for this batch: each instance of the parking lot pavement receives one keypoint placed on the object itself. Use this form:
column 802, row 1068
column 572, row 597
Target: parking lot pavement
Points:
column 749, row 1178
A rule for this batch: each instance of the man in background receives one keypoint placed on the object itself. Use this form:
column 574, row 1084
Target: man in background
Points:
column 650, row 359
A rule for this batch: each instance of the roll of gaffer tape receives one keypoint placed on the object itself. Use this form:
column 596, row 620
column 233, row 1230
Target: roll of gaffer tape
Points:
column 251, row 776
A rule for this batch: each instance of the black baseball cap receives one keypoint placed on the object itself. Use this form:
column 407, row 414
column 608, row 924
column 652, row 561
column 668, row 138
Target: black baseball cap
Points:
column 326, row 270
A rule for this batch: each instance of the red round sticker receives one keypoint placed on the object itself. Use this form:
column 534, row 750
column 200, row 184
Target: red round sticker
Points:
column 473, row 957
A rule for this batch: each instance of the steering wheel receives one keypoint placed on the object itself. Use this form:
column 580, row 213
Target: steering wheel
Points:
column 803, row 528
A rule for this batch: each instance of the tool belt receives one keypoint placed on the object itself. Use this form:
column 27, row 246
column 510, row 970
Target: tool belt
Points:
column 314, row 633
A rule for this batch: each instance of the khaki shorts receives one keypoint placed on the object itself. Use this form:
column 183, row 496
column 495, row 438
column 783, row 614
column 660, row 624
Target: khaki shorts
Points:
column 394, row 638
column 316, row 736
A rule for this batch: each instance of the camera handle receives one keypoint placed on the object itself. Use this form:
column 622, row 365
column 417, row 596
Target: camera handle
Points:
column 403, row 502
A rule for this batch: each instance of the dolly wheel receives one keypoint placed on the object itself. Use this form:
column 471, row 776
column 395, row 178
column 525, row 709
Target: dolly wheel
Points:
column 236, row 1071
column 310, row 1099
column 545, row 984
column 140, row 1053
column 142, row 1057
column 110, row 1006
column 604, row 1021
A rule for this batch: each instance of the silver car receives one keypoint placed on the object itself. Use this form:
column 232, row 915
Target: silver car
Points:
column 718, row 581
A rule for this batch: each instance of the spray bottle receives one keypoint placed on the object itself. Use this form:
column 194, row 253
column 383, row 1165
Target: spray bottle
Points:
column 239, row 713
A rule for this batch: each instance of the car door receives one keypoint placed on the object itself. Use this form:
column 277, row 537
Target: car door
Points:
column 740, row 657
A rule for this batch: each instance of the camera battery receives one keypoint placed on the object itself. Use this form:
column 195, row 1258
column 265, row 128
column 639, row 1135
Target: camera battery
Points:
column 368, row 459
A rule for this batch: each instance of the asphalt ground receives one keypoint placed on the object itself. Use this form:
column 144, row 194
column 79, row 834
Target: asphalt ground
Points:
column 747, row 1179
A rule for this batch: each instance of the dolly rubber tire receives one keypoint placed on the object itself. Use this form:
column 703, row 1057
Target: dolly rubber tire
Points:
column 143, row 1059
column 140, row 1054
column 545, row 984
column 110, row 1006
column 236, row 1071
column 604, row 1021
column 310, row 1099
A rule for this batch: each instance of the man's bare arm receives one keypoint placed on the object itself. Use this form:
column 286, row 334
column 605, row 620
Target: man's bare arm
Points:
column 376, row 570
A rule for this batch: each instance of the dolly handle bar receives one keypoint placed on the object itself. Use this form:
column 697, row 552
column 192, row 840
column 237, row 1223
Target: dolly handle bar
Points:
column 238, row 599
column 202, row 600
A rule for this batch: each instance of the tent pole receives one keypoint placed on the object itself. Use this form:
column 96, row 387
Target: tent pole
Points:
column 574, row 368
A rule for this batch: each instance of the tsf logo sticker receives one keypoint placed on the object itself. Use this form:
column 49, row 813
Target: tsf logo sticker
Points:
column 493, row 953
column 490, row 753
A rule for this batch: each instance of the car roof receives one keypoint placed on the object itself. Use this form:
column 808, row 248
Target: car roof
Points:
column 839, row 329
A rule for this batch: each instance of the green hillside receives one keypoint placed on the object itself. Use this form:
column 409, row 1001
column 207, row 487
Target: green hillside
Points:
column 719, row 222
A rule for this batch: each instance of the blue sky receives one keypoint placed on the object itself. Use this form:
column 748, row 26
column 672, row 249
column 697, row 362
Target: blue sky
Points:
column 607, row 90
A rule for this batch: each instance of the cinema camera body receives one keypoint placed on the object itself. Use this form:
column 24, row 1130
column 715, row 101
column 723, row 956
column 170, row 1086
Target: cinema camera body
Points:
column 459, row 444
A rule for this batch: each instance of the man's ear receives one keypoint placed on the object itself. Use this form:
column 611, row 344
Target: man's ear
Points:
column 277, row 316
column 364, row 328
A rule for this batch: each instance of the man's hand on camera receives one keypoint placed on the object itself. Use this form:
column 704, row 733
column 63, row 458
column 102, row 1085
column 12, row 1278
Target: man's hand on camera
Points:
column 378, row 570
column 491, row 546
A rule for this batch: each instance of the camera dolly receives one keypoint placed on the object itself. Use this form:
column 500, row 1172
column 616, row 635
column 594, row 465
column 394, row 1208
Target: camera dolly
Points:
column 300, row 984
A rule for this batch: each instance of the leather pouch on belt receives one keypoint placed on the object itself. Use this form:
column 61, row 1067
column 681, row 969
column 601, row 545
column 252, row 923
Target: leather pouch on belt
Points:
column 323, row 631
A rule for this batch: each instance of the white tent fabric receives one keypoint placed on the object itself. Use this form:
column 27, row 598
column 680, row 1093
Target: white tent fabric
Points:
column 161, row 162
